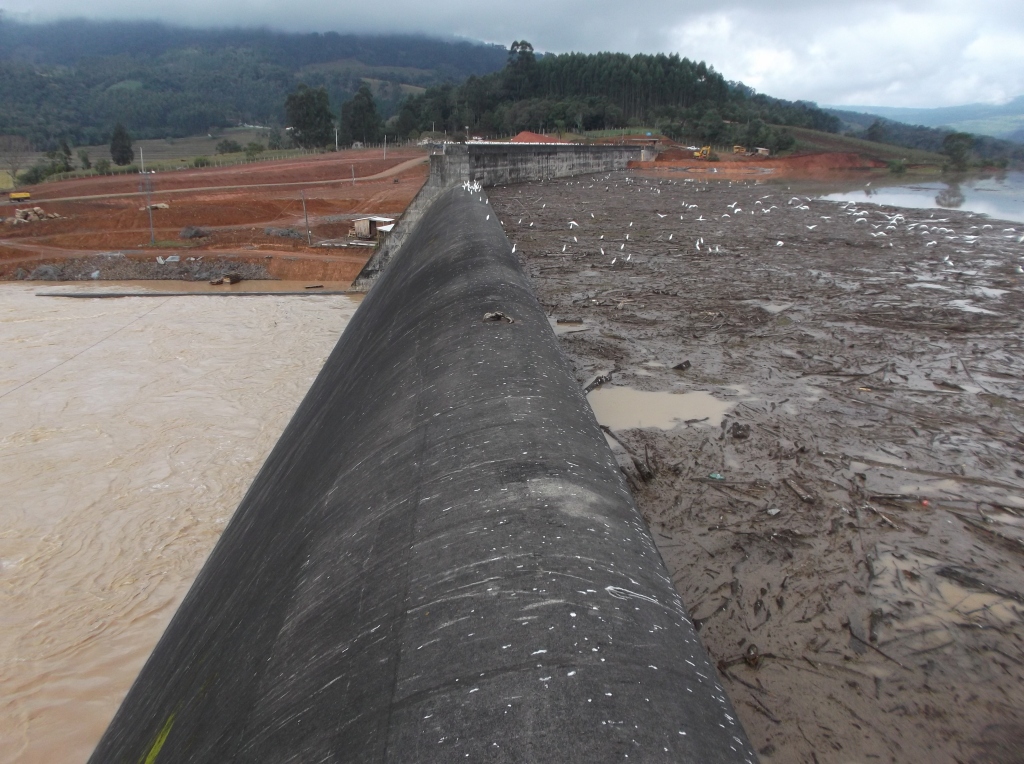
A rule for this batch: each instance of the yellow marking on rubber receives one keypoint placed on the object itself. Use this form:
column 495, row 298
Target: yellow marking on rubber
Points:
column 154, row 750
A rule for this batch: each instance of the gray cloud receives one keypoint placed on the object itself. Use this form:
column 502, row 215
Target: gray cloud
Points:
column 901, row 53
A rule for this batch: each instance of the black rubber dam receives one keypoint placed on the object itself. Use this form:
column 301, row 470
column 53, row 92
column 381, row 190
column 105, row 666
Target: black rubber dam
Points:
column 439, row 561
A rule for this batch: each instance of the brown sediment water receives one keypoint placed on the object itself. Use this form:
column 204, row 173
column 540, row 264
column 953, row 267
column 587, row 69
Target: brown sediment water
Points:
column 193, row 287
column 129, row 431
column 622, row 408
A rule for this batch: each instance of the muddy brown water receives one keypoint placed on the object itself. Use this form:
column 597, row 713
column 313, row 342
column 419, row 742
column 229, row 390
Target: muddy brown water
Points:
column 129, row 431
column 850, row 535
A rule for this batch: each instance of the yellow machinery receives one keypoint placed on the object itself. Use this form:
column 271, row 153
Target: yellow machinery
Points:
column 703, row 153
column 19, row 196
column 739, row 149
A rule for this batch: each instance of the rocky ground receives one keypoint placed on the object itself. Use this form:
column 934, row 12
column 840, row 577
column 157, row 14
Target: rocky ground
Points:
column 851, row 537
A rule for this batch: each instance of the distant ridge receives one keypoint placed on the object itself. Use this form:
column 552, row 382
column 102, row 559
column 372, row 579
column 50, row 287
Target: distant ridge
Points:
column 999, row 121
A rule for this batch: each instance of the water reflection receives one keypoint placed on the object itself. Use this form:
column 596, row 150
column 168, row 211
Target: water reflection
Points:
column 951, row 196
column 999, row 194
column 129, row 430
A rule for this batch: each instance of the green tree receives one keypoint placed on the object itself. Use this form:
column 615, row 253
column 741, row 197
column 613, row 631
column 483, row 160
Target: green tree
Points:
column 274, row 141
column 711, row 126
column 359, row 118
column 253, row 150
column 83, row 159
column 309, row 112
column 15, row 152
column 957, row 146
column 228, row 146
column 876, row 132
column 121, row 150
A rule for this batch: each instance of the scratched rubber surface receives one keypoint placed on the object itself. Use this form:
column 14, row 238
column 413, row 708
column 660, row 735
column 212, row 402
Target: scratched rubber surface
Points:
column 439, row 561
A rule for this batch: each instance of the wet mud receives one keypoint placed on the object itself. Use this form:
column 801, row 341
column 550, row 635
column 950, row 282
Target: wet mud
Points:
column 845, row 521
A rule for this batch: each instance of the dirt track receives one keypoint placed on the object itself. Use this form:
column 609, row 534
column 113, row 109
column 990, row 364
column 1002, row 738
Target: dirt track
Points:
column 250, row 213
column 851, row 538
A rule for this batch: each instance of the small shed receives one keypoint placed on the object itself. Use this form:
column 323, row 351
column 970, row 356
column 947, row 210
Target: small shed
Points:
column 761, row 152
column 366, row 228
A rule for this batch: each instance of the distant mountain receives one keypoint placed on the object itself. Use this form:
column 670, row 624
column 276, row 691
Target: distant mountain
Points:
column 1005, row 121
column 73, row 80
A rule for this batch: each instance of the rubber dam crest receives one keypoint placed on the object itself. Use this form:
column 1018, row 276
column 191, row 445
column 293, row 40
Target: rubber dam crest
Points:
column 440, row 559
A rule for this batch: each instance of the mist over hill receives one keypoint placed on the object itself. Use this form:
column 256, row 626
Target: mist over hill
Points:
column 999, row 121
column 74, row 80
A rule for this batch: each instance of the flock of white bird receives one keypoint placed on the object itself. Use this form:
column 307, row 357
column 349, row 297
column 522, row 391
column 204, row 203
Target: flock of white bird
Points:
column 880, row 225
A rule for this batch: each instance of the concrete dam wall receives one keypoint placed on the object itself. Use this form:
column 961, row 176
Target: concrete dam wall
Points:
column 439, row 561
column 495, row 164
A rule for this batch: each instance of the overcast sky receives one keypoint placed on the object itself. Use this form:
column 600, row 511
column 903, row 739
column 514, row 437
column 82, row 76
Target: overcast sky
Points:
column 897, row 53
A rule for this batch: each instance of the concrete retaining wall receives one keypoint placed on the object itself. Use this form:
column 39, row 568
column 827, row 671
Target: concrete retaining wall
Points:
column 440, row 560
column 495, row 164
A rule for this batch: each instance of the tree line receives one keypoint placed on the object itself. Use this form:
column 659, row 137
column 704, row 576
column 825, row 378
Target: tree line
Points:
column 578, row 92
column 59, row 82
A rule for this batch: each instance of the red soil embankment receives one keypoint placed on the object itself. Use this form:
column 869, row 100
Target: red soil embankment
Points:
column 332, row 167
column 244, row 216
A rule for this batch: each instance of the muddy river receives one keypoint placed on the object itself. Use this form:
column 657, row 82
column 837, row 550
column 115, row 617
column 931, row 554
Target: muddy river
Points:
column 129, row 431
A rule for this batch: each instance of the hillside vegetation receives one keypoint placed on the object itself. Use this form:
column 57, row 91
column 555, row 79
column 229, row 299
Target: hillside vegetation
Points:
column 584, row 92
column 59, row 81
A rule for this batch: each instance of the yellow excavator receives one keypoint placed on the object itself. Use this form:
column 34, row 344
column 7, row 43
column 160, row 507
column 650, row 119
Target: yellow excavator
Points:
column 703, row 153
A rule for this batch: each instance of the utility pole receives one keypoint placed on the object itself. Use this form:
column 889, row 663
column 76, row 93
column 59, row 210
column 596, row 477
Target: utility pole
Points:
column 335, row 137
column 143, row 160
column 309, row 241
column 385, row 145
column 147, row 186
column 353, row 174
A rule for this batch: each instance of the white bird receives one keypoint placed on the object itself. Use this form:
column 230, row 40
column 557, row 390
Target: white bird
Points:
column 614, row 259
column 726, row 215
column 660, row 215
column 602, row 250
column 487, row 218
column 564, row 246
column 573, row 223
column 591, row 214
column 778, row 244
column 575, row 240
column 531, row 225
column 698, row 246
column 670, row 236
column 520, row 221
column 513, row 247
column 622, row 247
column 601, row 237
column 701, row 217
column 812, row 227
column 931, row 244
column 631, row 224
column 629, row 257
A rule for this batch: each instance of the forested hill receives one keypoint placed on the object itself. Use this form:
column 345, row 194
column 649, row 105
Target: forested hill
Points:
column 575, row 91
column 61, row 81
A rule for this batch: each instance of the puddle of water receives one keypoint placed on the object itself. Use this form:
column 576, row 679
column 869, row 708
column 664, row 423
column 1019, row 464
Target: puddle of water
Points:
column 1001, row 196
column 771, row 307
column 968, row 307
column 932, row 607
column 622, row 408
column 195, row 287
column 928, row 285
column 129, row 431
column 567, row 327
